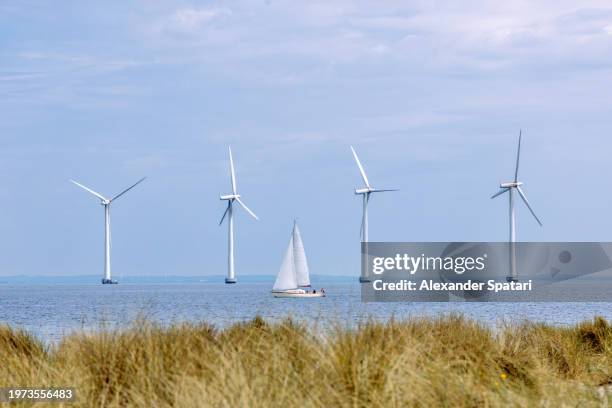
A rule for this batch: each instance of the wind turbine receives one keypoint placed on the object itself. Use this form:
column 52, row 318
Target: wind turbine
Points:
column 365, row 192
column 509, row 188
column 229, row 211
column 107, row 231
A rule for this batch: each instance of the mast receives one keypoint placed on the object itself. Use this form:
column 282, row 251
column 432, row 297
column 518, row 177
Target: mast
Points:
column 107, row 266
column 512, row 276
column 231, row 276
column 365, row 271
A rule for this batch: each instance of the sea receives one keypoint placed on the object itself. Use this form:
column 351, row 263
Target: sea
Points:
column 51, row 311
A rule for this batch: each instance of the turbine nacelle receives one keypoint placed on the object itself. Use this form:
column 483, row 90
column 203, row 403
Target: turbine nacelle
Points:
column 229, row 197
column 368, row 190
column 511, row 184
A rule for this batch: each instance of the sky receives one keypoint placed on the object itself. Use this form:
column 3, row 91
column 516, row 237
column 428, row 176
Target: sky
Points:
column 431, row 94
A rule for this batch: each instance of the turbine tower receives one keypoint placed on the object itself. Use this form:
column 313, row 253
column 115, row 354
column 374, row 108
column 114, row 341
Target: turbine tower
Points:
column 365, row 192
column 229, row 212
column 509, row 188
column 107, row 231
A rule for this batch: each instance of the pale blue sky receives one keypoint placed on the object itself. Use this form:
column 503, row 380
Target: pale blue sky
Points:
column 431, row 94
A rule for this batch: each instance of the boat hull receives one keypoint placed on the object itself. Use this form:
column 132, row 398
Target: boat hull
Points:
column 297, row 295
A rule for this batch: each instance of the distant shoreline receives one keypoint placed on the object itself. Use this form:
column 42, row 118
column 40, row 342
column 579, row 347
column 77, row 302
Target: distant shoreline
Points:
column 153, row 279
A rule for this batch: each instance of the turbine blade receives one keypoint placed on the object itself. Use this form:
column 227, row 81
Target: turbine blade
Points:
column 363, row 175
column 518, row 156
column 232, row 173
column 246, row 208
column 522, row 194
column 128, row 189
column 500, row 192
column 90, row 190
column 382, row 190
column 362, row 225
column 229, row 204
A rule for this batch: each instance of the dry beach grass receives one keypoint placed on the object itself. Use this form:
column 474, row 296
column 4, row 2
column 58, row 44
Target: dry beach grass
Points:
column 447, row 361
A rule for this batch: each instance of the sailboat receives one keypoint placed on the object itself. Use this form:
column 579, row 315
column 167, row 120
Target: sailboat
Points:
column 293, row 274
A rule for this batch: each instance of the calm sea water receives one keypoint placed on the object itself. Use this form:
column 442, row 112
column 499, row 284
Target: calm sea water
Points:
column 56, row 310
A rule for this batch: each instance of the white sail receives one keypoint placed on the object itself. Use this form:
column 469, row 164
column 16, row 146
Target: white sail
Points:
column 299, row 258
column 286, row 278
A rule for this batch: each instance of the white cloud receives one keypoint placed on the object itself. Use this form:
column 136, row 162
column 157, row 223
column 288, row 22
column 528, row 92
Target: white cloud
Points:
column 480, row 36
column 19, row 76
column 193, row 20
column 286, row 43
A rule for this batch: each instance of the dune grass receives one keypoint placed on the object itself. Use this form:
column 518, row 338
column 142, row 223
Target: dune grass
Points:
column 446, row 361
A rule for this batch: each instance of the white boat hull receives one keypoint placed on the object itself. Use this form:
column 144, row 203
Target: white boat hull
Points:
column 297, row 295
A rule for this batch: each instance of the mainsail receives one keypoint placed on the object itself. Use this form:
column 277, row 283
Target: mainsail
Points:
column 294, row 268
column 286, row 278
column 299, row 258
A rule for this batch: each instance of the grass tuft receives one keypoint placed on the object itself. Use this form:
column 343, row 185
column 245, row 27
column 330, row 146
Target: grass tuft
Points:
column 420, row 362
